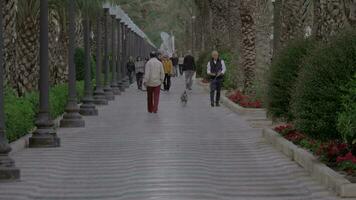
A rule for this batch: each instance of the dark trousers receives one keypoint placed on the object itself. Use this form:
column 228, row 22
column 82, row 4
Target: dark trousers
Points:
column 167, row 82
column 130, row 75
column 153, row 98
column 181, row 70
column 215, row 87
column 139, row 80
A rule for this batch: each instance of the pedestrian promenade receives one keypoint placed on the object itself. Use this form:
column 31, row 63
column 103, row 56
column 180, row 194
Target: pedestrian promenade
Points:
column 182, row 153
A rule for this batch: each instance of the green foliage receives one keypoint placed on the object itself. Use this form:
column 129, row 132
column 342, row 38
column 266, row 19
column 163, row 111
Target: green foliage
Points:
column 20, row 112
column 58, row 100
column 230, row 75
column 317, row 97
column 346, row 124
column 347, row 166
column 202, row 62
column 79, row 57
column 282, row 77
column 19, row 115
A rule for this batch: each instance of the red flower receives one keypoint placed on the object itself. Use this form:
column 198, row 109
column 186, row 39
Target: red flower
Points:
column 294, row 136
column 283, row 128
column 347, row 157
column 244, row 100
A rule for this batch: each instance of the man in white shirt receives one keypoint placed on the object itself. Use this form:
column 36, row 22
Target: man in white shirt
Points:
column 216, row 69
column 154, row 76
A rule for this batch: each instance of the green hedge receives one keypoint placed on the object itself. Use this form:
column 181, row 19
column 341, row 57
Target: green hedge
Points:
column 79, row 64
column 282, row 77
column 20, row 112
column 317, row 98
column 230, row 76
column 202, row 63
column 347, row 118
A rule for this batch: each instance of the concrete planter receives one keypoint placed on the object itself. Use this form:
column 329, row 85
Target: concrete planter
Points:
column 319, row 171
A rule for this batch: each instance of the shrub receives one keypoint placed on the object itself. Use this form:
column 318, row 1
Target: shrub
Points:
column 58, row 99
column 79, row 64
column 346, row 124
column 230, row 76
column 20, row 112
column 282, row 77
column 317, row 97
column 202, row 62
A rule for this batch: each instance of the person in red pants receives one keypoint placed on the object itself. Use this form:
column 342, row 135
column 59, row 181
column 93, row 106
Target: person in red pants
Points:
column 154, row 76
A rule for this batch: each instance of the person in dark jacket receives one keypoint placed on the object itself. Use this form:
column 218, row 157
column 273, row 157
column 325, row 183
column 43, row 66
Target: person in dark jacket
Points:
column 175, row 60
column 215, row 69
column 130, row 69
column 189, row 69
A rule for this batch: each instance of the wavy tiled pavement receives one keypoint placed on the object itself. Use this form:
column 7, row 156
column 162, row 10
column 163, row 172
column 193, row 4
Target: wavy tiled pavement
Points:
column 183, row 153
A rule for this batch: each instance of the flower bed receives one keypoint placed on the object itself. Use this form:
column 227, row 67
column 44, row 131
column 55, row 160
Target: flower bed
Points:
column 335, row 154
column 244, row 100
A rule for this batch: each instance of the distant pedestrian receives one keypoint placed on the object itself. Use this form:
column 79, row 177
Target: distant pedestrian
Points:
column 168, row 71
column 175, row 61
column 216, row 70
column 189, row 69
column 153, row 78
column 180, row 64
column 130, row 69
column 140, row 70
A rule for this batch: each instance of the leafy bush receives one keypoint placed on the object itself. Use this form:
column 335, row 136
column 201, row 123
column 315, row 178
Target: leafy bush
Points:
column 229, row 78
column 79, row 57
column 282, row 77
column 317, row 98
column 202, row 62
column 20, row 112
column 347, row 118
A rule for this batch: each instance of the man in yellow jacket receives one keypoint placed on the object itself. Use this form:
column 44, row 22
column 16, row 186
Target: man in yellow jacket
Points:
column 168, row 71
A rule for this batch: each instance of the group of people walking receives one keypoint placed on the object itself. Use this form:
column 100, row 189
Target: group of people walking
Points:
column 159, row 70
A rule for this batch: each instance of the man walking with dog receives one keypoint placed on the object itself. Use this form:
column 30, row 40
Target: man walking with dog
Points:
column 154, row 76
column 216, row 69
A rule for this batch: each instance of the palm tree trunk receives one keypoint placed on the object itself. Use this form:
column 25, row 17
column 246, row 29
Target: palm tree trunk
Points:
column 248, row 43
column 8, row 171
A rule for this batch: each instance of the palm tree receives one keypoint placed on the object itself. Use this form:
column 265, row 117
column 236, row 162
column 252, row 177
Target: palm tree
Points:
column 9, row 21
column 248, row 42
column 27, row 45
column 8, row 170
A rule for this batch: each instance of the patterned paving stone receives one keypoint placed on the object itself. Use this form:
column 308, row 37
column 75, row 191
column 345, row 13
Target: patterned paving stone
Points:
column 182, row 153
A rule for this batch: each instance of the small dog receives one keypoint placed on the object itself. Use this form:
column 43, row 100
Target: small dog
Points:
column 184, row 98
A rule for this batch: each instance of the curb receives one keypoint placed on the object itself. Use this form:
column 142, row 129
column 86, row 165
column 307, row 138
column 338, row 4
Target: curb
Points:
column 319, row 171
column 23, row 142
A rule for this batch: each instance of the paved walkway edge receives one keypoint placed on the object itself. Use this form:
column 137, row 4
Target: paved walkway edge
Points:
column 256, row 116
column 22, row 143
column 319, row 171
